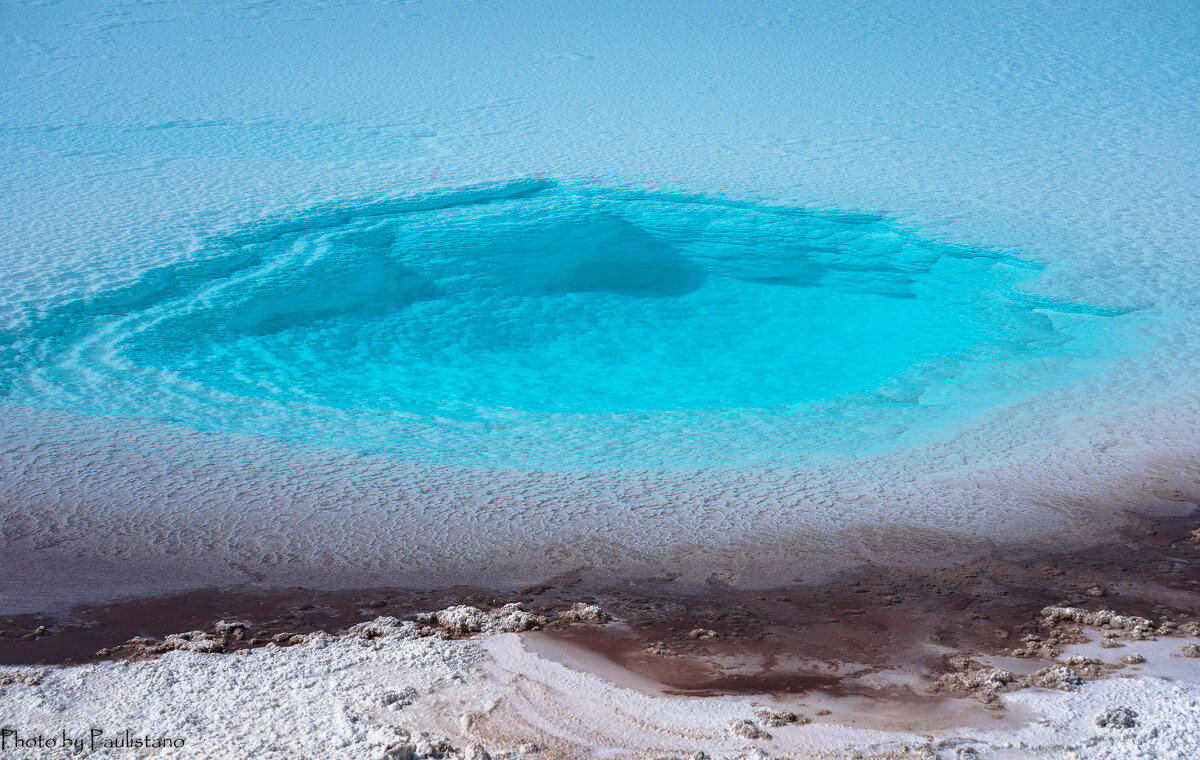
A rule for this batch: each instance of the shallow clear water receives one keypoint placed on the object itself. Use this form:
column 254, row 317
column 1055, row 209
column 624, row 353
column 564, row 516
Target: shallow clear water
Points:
column 537, row 325
column 140, row 141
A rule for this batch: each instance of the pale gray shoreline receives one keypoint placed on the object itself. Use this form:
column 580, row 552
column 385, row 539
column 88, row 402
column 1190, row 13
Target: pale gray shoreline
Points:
column 111, row 508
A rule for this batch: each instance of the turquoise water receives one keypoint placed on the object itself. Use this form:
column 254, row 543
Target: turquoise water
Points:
column 543, row 326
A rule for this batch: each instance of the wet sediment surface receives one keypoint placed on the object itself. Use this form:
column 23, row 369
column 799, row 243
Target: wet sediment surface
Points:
column 837, row 638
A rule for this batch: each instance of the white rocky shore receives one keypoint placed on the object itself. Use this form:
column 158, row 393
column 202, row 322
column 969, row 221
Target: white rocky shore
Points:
column 462, row 683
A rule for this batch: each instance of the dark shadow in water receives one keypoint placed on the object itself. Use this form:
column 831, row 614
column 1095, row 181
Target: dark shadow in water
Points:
column 614, row 256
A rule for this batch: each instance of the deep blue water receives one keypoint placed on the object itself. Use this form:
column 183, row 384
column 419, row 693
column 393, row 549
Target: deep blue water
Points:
column 545, row 326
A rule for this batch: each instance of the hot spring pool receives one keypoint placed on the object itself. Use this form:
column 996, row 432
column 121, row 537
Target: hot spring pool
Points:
column 542, row 326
